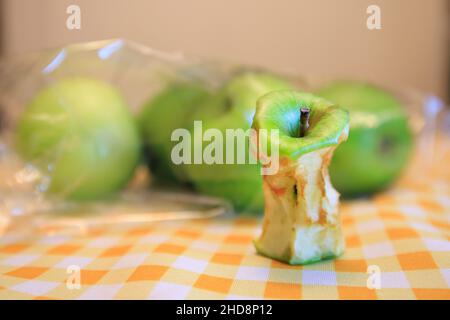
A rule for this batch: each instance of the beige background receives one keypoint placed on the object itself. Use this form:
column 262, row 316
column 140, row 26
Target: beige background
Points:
column 306, row 37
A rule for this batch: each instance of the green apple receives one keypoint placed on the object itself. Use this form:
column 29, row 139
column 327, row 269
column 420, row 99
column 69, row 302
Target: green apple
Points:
column 301, row 218
column 380, row 140
column 81, row 133
column 233, row 107
column 160, row 116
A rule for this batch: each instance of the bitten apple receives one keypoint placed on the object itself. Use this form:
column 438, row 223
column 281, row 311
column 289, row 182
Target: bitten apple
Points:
column 301, row 217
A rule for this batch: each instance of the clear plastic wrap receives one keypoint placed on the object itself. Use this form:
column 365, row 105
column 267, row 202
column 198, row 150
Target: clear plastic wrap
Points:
column 136, row 73
column 139, row 75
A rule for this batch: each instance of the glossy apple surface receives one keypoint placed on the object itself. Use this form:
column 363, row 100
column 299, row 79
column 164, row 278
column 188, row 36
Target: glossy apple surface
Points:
column 80, row 132
column 233, row 107
column 172, row 108
column 380, row 139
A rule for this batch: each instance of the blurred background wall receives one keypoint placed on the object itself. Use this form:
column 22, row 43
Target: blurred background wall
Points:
column 295, row 36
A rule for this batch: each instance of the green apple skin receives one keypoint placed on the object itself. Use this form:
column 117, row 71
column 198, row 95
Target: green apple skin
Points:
column 380, row 140
column 233, row 107
column 172, row 108
column 80, row 131
column 280, row 111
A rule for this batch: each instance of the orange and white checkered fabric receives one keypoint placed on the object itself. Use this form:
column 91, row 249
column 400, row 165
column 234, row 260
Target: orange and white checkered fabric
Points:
column 404, row 234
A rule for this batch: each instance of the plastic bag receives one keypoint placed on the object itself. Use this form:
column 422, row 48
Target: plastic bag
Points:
column 121, row 70
column 57, row 190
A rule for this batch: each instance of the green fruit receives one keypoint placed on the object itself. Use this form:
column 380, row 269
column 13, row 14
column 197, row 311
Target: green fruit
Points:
column 81, row 133
column 301, row 219
column 233, row 107
column 230, row 107
column 170, row 109
column 380, row 139
column 280, row 111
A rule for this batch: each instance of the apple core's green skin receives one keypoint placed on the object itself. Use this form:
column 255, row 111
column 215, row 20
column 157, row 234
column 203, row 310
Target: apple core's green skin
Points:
column 379, row 143
column 172, row 108
column 80, row 132
column 233, row 107
column 281, row 111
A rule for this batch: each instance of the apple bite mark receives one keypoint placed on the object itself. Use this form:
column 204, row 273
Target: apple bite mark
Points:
column 302, row 224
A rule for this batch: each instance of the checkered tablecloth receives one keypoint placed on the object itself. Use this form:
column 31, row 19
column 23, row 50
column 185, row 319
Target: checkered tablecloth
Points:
column 403, row 233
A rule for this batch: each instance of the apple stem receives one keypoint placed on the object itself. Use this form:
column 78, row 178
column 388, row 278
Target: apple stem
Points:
column 304, row 121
